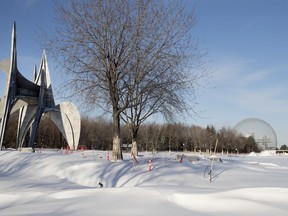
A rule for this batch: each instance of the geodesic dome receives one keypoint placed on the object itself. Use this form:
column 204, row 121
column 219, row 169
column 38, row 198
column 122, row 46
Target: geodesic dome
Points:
column 263, row 133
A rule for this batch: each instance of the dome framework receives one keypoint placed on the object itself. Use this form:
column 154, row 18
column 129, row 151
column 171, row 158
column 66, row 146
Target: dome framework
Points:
column 261, row 131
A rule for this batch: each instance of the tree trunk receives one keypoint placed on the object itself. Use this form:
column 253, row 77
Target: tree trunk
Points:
column 134, row 133
column 117, row 150
column 134, row 148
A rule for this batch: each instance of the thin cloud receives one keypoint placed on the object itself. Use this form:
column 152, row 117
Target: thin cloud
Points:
column 266, row 100
column 230, row 68
column 254, row 77
column 239, row 85
column 28, row 3
column 241, row 73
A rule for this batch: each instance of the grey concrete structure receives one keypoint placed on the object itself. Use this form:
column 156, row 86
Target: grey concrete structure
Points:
column 35, row 100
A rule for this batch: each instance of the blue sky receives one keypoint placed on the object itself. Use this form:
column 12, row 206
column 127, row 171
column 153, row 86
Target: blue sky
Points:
column 247, row 44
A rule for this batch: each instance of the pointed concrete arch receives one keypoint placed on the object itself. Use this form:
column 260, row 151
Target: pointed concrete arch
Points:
column 67, row 118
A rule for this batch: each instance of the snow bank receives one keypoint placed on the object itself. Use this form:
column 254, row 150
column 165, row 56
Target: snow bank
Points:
column 52, row 183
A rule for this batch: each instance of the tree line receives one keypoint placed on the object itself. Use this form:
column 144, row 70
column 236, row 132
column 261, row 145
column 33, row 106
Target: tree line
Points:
column 98, row 134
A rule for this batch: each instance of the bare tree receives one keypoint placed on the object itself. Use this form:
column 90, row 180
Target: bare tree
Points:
column 167, row 63
column 117, row 52
column 94, row 43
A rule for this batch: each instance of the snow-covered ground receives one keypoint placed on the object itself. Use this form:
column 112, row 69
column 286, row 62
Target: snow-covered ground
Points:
column 51, row 183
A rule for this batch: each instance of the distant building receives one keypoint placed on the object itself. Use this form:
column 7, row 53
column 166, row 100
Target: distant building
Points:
column 261, row 131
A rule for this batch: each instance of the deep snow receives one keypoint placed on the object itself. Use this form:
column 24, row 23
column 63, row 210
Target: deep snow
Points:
column 51, row 183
